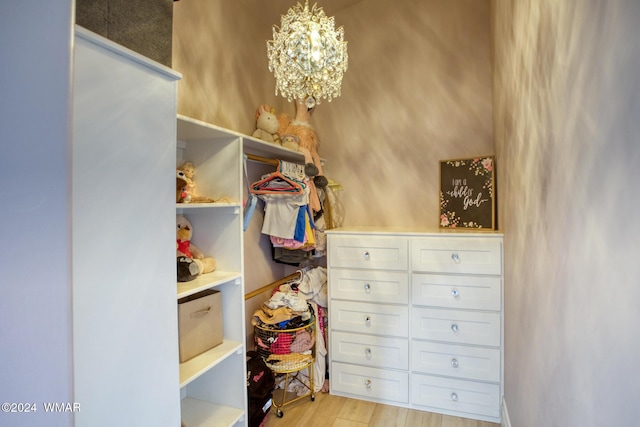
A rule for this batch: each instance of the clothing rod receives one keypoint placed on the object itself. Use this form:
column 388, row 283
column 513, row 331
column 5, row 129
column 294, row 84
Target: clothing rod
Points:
column 271, row 285
column 261, row 159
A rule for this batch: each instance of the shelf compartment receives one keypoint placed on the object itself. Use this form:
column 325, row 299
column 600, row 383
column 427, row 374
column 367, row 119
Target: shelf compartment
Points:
column 213, row 384
column 198, row 413
column 233, row 206
column 269, row 150
column 196, row 130
column 207, row 281
column 190, row 129
column 193, row 368
column 218, row 234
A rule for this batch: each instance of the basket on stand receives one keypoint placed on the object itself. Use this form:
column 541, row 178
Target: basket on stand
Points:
column 287, row 352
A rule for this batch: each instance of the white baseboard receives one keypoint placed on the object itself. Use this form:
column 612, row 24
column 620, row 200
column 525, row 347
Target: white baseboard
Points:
column 506, row 422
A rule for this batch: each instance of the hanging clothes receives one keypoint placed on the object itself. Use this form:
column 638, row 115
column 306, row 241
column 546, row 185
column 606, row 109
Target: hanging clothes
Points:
column 286, row 195
column 281, row 214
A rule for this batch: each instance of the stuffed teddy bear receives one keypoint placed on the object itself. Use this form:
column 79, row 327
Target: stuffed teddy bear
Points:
column 184, row 233
column 181, row 186
column 186, row 173
column 187, row 269
column 292, row 142
column 267, row 125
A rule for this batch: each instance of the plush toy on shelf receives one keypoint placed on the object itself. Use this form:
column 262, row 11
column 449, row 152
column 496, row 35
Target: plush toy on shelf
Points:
column 186, row 173
column 290, row 141
column 307, row 139
column 305, row 135
column 184, row 233
column 187, row 269
column 181, row 186
column 267, row 125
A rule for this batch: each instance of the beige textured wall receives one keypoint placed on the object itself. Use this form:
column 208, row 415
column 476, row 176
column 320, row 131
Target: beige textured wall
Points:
column 418, row 90
column 567, row 104
column 220, row 48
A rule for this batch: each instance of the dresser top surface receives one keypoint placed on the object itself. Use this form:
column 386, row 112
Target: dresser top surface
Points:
column 413, row 231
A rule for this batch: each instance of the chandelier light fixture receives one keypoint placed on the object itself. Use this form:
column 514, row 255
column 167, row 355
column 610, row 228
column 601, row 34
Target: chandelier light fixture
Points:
column 308, row 55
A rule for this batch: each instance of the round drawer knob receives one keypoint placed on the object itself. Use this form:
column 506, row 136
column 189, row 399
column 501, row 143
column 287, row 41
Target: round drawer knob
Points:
column 367, row 321
column 454, row 397
column 455, row 257
column 454, row 327
column 367, row 256
column 454, row 362
column 367, row 384
column 367, row 353
column 367, row 288
column 455, row 293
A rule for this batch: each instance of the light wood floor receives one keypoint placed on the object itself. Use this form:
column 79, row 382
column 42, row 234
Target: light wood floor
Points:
column 333, row 411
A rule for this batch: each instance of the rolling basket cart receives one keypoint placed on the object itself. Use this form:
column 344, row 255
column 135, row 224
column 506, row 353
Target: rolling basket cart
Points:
column 288, row 352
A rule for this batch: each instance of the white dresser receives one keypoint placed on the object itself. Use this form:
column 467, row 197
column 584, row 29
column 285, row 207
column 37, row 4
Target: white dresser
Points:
column 415, row 319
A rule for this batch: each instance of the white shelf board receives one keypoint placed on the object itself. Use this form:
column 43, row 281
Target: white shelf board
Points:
column 266, row 149
column 198, row 413
column 215, row 205
column 207, row 281
column 195, row 130
column 193, row 368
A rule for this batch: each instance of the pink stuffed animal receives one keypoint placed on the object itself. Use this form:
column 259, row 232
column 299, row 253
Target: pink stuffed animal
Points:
column 305, row 134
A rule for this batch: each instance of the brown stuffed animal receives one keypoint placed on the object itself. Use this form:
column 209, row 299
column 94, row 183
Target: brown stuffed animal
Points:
column 189, row 195
column 181, row 186
column 184, row 232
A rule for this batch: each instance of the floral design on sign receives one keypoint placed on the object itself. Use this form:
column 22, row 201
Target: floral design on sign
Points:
column 467, row 193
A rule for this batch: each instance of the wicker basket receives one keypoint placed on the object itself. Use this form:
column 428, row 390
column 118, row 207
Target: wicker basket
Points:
column 286, row 350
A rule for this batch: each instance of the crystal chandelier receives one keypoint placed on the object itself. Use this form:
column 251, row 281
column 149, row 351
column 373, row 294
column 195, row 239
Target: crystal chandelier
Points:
column 307, row 55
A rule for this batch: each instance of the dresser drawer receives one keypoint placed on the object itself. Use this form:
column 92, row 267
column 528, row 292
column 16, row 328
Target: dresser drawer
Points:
column 465, row 292
column 379, row 352
column 469, row 255
column 368, row 318
column 474, row 363
column 371, row 383
column 455, row 326
column 369, row 285
column 456, row 395
column 379, row 252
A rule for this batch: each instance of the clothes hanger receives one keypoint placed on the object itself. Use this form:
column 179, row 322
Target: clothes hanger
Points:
column 286, row 186
column 294, row 171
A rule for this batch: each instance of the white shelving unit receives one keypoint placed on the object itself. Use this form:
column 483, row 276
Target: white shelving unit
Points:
column 213, row 384
column 124, row 329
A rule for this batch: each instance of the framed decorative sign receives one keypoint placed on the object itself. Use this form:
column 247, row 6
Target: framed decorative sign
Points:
column 467, row 193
